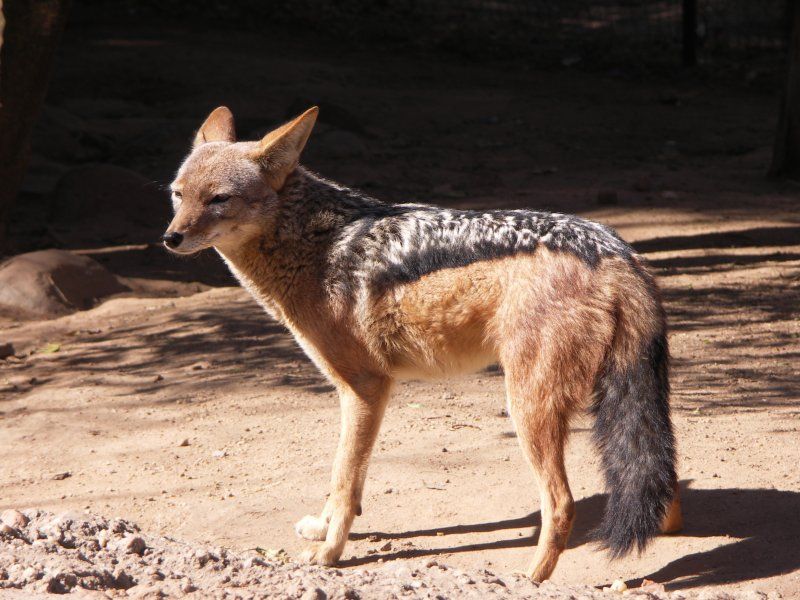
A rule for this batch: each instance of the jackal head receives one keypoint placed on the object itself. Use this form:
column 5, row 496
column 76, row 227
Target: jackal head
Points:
column 227, row 191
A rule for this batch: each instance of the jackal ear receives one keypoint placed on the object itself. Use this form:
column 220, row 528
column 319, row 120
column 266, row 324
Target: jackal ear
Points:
column 218, row 127
column 279, row 150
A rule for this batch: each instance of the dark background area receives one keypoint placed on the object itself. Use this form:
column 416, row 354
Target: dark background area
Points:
column 568, row 106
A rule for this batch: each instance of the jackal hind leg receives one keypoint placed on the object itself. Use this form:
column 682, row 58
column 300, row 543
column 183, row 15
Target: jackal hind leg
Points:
column 541, row 424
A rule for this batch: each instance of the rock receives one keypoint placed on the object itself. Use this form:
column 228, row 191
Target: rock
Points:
column 184, row 443
column 133, row 544
column 52, row 283
column 219, row 454
column 14, row 518
column 6, row 350
column 386, row 547
column 61, row 475
column 42, row 175
column 59, row 134
column 102, row 204
column 188, row 588
column 61, row 583
column 103, row 538
column 618, row 586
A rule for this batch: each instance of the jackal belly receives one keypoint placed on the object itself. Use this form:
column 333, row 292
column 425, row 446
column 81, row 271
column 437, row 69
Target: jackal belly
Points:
column 443, row 323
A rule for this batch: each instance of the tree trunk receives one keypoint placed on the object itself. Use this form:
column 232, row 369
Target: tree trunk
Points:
column 786, row 153
column 27, row 48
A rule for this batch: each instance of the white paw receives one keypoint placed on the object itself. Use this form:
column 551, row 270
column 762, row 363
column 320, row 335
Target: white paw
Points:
column 311, row 528
column 319, row 554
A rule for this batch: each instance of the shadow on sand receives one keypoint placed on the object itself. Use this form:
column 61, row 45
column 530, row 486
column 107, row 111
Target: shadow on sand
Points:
column 762, row 524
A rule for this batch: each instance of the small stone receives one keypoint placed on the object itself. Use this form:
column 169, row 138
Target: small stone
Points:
column 61, row 475
column 219, row 454
column 102, row 538
column 387, row 546
column 6, row 350
column 6, row 529
column 315, row 594
column 133, row 545
column 618, row 586
column 14, row 518
column 184, row 443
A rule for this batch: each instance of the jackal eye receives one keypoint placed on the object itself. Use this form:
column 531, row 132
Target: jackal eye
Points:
column 177, row 194
column 219, row 199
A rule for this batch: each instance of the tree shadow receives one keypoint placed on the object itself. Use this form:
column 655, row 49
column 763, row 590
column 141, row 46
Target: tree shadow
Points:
column 754, row 237
column 762, row 525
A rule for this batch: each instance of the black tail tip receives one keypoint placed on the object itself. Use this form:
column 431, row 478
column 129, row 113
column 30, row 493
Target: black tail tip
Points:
column 629, row 526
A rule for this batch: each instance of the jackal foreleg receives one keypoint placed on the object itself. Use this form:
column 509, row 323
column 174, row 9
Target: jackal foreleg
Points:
column 363, row 406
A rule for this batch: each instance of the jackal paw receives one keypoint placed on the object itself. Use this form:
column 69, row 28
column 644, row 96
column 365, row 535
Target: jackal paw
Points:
column 311, row 528
column 319, row 554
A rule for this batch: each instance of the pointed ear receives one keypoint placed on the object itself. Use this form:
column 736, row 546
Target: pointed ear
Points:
column 218, row 127
column 279, row 151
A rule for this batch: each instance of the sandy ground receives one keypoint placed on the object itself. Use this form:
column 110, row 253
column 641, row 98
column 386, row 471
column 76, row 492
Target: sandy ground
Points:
column 134, row 378
column 197, row 417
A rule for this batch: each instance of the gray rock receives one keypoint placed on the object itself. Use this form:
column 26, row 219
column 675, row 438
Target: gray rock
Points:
column 52, row 283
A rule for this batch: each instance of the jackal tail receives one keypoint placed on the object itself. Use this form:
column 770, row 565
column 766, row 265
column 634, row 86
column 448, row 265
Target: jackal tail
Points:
column 634, row 434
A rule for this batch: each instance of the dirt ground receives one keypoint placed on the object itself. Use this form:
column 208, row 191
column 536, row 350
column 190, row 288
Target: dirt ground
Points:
column 182, row 407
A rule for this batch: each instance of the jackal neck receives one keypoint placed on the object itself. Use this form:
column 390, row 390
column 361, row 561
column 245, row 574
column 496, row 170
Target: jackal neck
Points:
column 284, row 263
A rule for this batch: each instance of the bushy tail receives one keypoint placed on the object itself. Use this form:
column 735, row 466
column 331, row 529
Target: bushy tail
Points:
column 634, row 434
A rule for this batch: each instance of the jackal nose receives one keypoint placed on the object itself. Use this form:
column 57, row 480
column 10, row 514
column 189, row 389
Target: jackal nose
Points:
column 172, row 239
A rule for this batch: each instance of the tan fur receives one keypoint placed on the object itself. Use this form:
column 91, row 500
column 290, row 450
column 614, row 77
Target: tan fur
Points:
column 547, row 318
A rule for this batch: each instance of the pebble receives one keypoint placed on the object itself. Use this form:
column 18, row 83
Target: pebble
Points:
column 618, row 586
column 14, row 518
column 133, row 545
column 61, row 475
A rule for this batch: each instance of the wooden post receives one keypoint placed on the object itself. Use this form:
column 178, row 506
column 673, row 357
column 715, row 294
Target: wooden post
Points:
column 689, row 33
column 30, row 36
column 786, row 151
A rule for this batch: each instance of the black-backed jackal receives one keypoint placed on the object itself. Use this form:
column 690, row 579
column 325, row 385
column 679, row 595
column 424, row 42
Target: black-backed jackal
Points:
column 374, row 292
